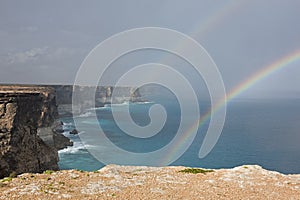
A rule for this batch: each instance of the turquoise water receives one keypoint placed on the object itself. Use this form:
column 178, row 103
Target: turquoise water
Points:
column 263, row 132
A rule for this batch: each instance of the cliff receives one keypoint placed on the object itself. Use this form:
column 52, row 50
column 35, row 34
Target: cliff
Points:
column 30, row 134
column 25, row 111
column 140, row 182
column 103, row 95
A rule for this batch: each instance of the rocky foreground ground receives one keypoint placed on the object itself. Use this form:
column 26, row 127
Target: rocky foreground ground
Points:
column 128, row 182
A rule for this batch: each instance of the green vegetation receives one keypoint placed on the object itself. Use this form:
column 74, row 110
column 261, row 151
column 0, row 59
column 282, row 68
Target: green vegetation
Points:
column 196, row 170
column 48, row 172
column 6, row 179
column 9, row 178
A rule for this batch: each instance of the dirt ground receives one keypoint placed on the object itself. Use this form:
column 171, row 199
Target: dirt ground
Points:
column 138, row 182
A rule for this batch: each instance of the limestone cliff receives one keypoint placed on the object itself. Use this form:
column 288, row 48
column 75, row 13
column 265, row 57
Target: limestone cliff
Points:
column 25, row 111
column 103, row 95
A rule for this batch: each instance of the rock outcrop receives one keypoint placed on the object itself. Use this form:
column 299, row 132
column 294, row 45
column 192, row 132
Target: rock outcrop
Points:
column 25, row 111
column 53, row 137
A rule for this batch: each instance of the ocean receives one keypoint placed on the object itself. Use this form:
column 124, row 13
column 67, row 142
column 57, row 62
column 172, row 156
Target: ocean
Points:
column 262, row 132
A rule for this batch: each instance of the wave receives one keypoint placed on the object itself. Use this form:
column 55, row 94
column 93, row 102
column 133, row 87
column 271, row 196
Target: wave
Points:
column 99, row 108
column 81, row 132
column 67, row 124
column 145, row 102
column 128, row 103
column 76, row 148
column 125, row 103
column 87, row 114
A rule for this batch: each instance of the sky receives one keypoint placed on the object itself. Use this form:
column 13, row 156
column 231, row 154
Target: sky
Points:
column 45, row 42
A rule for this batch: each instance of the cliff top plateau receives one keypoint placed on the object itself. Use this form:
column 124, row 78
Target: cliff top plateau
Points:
column 138, row 182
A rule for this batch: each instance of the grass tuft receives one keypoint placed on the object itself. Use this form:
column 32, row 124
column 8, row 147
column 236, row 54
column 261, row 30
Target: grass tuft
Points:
column 6, row 179
column 48, row 172
column 196, row 170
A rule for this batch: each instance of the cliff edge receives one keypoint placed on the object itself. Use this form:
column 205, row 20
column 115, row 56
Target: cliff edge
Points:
column 140, row 182
column 23, row 111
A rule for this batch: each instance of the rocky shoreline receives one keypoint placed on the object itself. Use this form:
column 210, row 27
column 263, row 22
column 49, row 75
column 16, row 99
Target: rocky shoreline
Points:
column 140, row 182
column 30, row 137
column 30, row 133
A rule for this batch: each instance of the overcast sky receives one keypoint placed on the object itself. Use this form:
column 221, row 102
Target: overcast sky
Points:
column 46, row 41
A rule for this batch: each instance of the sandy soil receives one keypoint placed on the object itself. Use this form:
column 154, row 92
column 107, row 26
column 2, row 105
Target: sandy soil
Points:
column 128, row 182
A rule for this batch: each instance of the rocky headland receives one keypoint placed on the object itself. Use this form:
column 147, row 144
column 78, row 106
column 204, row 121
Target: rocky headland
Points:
column 30, row 133
column 23, row 111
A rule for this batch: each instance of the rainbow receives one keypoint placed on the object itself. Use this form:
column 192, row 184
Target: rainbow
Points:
column 242, row 87
column 217, row 17
column 262, row 74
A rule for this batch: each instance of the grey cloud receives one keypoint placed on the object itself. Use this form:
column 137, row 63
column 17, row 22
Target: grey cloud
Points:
column 52, row 36
column 29, row 29
column 43, row 54
column 27, row 56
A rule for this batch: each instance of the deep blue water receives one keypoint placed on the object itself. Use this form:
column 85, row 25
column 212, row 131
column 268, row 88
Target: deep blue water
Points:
column 263, row 132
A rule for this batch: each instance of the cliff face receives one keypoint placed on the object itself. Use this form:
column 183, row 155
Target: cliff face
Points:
column 29, row 131
column 103, row 95
column 21, row 112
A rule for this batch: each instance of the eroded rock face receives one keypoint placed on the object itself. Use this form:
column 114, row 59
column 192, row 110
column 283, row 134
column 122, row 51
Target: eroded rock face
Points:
column 29, row 136
column 103, row 95
column 20, row 147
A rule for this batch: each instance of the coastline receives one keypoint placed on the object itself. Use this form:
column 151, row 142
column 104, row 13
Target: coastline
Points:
column 112, row 181
column 29, row 131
